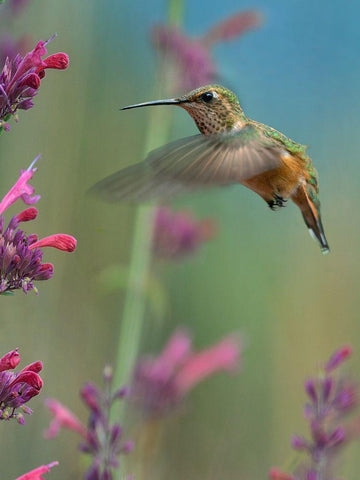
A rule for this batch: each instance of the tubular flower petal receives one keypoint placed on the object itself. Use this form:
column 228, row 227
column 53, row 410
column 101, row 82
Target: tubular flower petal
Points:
column 21, row 189
column 10, row 360
column 37, row 473
column 61, row 241
column 63, row 418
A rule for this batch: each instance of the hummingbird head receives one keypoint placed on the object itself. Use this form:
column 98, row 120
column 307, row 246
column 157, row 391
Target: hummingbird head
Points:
column 215, row 109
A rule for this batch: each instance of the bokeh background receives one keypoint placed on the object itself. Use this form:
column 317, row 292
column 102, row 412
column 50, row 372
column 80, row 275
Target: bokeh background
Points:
column 262, row 275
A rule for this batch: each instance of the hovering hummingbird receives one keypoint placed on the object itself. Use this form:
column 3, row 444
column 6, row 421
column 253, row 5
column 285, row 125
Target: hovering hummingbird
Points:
column 231, row 149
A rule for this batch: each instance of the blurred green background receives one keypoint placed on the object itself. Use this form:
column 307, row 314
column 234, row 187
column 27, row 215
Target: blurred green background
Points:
column 262, row 276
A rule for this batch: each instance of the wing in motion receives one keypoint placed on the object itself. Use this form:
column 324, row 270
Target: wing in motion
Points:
column 191, row 163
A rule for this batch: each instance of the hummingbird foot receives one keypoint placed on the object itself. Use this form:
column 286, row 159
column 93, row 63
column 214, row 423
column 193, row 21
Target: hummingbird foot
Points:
column 277, row 202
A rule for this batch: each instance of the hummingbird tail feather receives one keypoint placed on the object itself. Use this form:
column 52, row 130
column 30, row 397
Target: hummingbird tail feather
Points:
column 312, row 218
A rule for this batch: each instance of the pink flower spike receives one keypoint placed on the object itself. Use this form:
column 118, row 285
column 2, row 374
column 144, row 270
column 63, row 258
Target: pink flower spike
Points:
column 10, row 360
column 61, row 241
column 38, row 472
column 338, row 357
column 21, row 189
column 63, row 418
column 223, row 356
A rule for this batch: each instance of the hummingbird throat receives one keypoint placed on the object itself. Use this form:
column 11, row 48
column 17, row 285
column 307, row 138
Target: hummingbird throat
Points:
column 211, row 121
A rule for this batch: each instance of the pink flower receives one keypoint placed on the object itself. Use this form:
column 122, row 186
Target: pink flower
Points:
column 37, row 474
column 21, row 189
column 21, row 255
column 63, row 418
column 192, row 56
column 21, row 77
column 161, row 383
column 178, row 234
column 102, row 439
column 17, row 388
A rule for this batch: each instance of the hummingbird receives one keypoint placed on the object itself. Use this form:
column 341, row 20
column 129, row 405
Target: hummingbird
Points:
column 230, row 149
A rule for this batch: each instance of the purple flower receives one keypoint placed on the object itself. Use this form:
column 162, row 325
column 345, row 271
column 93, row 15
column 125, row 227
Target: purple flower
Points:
column 21, row 77
column 21, row 255
column 192, row 56
column 17, row 388
column 100, row 439
column 330, row 398
column 177, row 234
column 160, row 383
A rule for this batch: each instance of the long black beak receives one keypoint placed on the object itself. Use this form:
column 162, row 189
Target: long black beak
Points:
column 168, row 101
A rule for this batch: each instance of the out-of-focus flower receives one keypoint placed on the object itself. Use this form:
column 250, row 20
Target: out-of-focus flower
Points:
column 17, row 388
column 191, row 56
column 330, row 399
column 10, row 47
column 21, row 77
column 17, row 6
column 160, row 383
column 100, row 439
column 37, row 473
column 21, row 255
column 177, row 234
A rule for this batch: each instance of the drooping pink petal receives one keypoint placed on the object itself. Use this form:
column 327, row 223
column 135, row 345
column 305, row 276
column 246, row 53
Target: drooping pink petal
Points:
column 21, row 189
column 10, row 360
column 30, row 378
column 33, row 367
column 234, row 26
column 338, row 357
column 63, row 418
column 61, row 241
column 276, row 474
column 224, row 356
column 175, row 351
column 57, row 61
column 27, row 215
column 37, row 473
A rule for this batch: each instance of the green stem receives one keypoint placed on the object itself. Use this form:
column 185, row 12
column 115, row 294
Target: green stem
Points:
column 135, row 301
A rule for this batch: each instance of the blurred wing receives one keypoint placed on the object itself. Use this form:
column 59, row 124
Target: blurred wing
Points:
column 191, row 163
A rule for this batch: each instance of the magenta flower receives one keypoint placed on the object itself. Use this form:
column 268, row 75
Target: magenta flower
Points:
column 177, row 234
column 21, row 255
column 160, row 383
column 37, row 473
column 330, row 399
column 192, row 56
column 18, row 388
column 100, row 439
column 21, row 77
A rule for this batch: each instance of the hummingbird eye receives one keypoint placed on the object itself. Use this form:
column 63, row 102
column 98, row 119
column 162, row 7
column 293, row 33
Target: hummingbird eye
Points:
column 207, row 97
